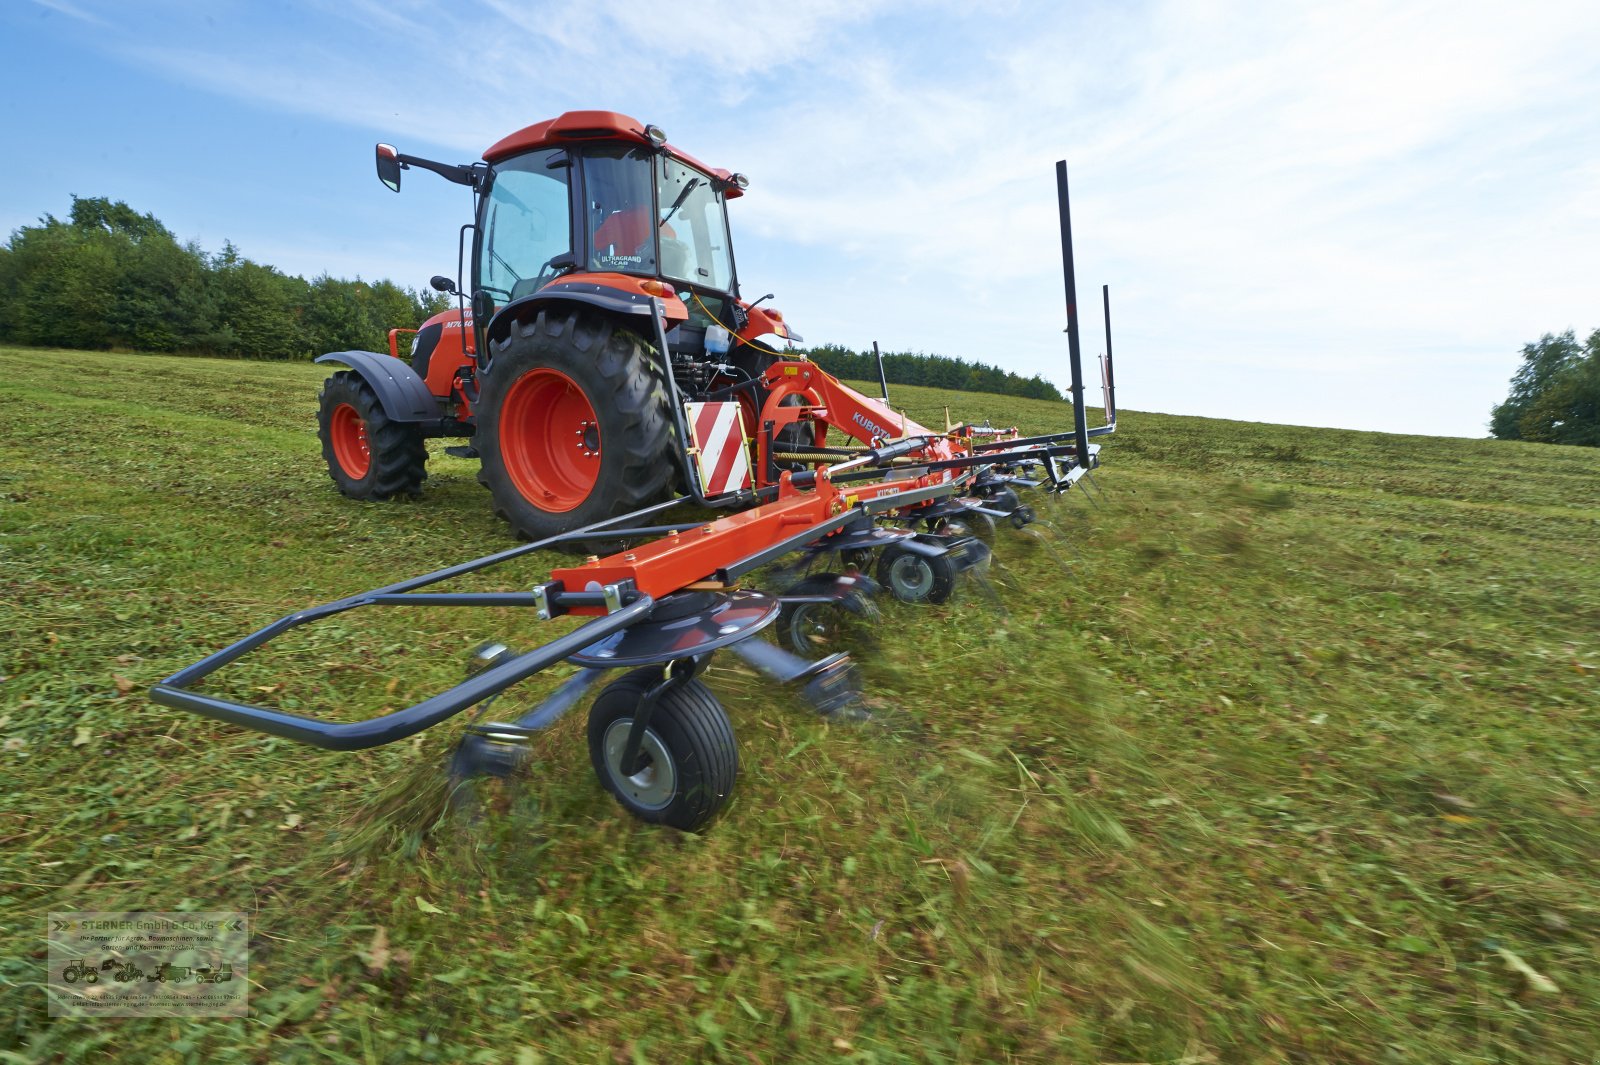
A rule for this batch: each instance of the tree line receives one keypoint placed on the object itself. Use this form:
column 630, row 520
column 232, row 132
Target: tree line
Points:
column 932, row 371
column 110, row 277
column 1555, row 394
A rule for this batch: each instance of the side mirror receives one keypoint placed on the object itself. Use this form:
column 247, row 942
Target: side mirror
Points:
column 440, row 283
column 389, row 166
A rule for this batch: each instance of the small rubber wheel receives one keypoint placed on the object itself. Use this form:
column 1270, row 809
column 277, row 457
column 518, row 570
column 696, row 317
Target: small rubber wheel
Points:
column 972, row 523
column 1005, row 499
column 691, row 758
column 857, row 558
column 812, row 630
column 368, row 456
column 914, row 578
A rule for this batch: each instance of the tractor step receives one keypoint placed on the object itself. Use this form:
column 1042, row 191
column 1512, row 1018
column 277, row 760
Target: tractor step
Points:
column 462, row 451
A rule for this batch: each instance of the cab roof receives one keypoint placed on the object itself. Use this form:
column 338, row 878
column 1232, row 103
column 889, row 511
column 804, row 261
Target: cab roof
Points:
column 577, row 126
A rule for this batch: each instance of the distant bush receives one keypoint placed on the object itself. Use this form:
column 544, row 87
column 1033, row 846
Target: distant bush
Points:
column 1555, row 395
column 933, row 371
column 111, row 277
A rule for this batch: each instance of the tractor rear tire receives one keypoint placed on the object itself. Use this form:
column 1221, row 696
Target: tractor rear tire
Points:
column 574, row 425
column 369, row 456
column 693, row 757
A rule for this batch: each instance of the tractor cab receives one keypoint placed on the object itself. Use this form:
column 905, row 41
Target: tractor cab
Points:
column 599, row 204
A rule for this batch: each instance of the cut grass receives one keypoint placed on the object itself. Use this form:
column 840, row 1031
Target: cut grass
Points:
column 1275, row 772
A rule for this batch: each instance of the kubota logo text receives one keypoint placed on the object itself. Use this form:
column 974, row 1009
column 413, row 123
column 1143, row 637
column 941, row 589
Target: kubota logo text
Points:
column 870, row 426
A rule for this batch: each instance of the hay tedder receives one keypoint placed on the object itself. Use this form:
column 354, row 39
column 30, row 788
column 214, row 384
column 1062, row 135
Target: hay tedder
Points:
column 607, row 370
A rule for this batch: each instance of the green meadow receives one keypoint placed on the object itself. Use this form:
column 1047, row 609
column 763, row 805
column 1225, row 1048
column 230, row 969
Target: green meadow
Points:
column 1286, row 751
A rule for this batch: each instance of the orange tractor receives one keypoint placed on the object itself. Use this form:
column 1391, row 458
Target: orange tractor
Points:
column 605, row 356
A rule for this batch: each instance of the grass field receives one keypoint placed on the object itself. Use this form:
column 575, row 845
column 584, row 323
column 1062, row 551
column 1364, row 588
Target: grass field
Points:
column 1296, row 763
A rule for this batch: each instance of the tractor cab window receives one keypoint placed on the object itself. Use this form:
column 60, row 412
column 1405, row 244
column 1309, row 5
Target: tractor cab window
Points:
column 616, row 185
column 526, row 223
column 694, row 228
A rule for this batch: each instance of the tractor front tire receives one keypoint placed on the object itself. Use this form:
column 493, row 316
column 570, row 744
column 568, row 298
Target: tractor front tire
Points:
column 574, row 425
column 692, row 759
column 369, row 456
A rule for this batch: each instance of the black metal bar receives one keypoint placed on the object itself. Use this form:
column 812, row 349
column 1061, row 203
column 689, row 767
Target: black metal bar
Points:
column 561, row 700
column 452, row 599
column 966, row 461
column 1025, row 441
column 642, row 711
column 1080, row 417
column 785, row 667
column 732, row 390
column 771, row 471
column 691, row 474
column 217, row 659
column 360, row 735
column 883, row 382
column 1111, row 377
column 463, row 568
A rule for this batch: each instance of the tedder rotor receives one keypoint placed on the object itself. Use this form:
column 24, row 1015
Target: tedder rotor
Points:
column 607, row 370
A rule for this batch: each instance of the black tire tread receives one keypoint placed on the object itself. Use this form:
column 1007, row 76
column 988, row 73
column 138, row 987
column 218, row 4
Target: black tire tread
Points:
column 695, row 728
column 944, row 576
column 633, row 387
column 399, row 451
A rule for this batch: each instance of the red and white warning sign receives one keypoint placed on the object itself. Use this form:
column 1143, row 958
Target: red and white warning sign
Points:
column 718, row 430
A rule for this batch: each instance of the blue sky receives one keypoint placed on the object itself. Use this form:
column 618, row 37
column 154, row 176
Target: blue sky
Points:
column 1348, row 214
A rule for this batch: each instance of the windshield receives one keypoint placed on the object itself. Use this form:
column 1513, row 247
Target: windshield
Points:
column 694, row 228
column 525, row 224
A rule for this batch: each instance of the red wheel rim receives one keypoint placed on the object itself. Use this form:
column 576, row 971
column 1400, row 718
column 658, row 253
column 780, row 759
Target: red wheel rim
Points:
column 349, row 435
column 550, row 440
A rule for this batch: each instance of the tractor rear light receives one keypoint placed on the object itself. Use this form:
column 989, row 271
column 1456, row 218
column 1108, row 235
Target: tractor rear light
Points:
column 655, row 135
column 740, row 180
column 658, row 288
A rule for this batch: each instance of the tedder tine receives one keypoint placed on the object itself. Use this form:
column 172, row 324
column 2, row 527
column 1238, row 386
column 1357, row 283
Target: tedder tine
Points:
column 830, row 684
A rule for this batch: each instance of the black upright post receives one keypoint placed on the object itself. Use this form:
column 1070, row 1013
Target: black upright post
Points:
column 1111, row 376
column 1080, row 420
column 883, row 382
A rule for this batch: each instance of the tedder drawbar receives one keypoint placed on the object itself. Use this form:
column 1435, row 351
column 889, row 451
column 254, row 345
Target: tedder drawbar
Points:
column 624, row 376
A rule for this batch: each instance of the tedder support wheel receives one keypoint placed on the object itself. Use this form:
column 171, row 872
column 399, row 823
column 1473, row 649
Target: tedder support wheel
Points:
column 914, row 578
column 1005, row 499
column 690, row 758
column 573, row 425
column 814, row 629
column 368, row 455
column 971, row 523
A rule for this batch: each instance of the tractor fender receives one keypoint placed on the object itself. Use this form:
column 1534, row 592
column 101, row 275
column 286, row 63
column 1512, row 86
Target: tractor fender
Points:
column 601, row 297
column 404, row 395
